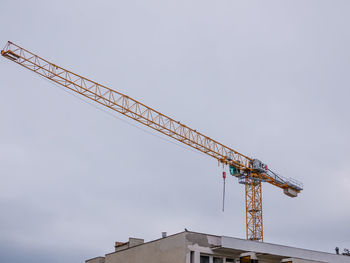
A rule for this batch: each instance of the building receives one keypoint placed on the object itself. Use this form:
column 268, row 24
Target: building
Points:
column 191, row 247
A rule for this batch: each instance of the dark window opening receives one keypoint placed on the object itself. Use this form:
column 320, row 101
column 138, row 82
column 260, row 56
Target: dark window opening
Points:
column 218, row 260
column 192, row 257
column 204, row 259
column 248, row 260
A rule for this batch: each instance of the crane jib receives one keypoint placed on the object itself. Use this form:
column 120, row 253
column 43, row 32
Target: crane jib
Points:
column 125, row 105
column 250, row 172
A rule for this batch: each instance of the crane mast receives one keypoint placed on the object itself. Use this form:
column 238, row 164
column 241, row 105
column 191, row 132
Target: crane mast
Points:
column 249, row 171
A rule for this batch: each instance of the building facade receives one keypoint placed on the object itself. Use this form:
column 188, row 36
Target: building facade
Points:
column 192, row 247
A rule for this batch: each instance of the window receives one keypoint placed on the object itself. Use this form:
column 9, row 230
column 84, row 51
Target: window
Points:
column 192, row 257
column 229, row 260
column 245, row 259
column 204, row 259
column 218, row 260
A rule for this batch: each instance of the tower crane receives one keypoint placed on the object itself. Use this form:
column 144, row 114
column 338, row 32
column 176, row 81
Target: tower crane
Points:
column 250, row 172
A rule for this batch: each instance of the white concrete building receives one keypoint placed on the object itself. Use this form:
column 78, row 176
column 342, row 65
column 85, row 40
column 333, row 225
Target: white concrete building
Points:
column 191, row 247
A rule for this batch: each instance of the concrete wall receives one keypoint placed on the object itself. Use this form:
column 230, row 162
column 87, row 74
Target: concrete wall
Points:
column 285, row 251
column 200, row 244
column 166, row 250
column 296, row 260
column 186, row 247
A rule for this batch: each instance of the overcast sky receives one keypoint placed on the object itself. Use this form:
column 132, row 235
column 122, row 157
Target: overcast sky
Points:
column 267, row 78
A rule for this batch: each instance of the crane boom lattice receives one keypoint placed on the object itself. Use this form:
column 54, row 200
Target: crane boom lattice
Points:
column 249, row 171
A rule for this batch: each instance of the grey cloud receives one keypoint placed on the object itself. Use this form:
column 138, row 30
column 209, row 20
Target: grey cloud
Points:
column 269, row 79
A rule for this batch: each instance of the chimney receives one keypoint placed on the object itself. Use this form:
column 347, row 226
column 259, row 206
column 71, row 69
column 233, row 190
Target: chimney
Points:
column 132, row 243
column 135, row 241
column 120, row 246
column 164, row 234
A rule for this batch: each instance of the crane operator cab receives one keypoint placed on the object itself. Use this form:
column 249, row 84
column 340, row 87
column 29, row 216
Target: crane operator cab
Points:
column 259, row 167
